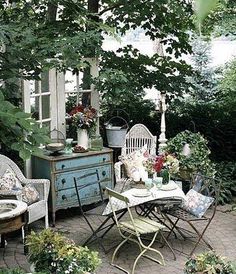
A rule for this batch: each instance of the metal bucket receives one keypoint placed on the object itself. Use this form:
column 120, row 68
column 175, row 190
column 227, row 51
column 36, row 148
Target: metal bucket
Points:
column 116, row 134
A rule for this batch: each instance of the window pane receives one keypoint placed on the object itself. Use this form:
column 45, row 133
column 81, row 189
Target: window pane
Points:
column 34, row 107
column 44, row 82
column 45, row 106
column 47, row 125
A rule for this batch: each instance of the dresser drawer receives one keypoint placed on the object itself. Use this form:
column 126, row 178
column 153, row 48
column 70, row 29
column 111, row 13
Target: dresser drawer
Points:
column 83, row 161
column 66, row 180
column 68, row 197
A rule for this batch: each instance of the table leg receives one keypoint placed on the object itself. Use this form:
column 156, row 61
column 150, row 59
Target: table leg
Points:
column 2, row 245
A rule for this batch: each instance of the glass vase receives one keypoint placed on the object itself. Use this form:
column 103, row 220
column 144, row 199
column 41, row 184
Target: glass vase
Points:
column 96, row 142
column 166, row 176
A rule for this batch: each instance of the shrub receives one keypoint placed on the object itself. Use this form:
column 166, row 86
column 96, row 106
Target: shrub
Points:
column 226, row 172
column 53, row 253
column 209, row 263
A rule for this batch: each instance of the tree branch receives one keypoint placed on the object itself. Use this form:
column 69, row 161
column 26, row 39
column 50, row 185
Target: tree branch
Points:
column 111, row 8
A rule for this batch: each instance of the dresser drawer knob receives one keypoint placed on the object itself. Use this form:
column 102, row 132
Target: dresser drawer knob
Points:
column 104, row 173
column 63, row 181
column 104, row 159
column 64, row 197
column 63, row 166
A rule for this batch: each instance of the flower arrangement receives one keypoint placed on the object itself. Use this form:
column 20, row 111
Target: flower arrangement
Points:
column 166, row 162
column 83, row 117
column 162, row 162
column 52, row 253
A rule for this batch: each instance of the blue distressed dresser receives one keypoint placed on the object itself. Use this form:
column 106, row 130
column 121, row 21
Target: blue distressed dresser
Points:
column 62, row 169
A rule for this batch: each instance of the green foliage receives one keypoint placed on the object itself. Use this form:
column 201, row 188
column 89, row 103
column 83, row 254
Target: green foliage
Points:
column 51, row 252
column 215, row 121
column 226, row 172
column 198, row 160
column 204, row 78
column 16, row 271
column 126, row 73
column 203, row 8
column 165, row 20
column 19, row 131
column 210, row 263
column 227, row 86
column 12, row 271
column 222, row 20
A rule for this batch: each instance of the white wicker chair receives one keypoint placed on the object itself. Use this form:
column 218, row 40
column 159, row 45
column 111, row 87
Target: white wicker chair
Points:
column 38, row 209
column 136, row 138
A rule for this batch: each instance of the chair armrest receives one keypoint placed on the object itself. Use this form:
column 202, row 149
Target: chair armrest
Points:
column 42, row 186
column 117, row 169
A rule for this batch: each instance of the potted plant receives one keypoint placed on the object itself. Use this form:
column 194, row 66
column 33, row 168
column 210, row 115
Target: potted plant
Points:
column 209, row 263
column 52, row 253
column 194, row 158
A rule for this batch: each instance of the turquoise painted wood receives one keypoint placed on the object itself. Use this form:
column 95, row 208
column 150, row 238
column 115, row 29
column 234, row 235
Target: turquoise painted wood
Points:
column 66, row 179
column 62, row 169
column 83, row 161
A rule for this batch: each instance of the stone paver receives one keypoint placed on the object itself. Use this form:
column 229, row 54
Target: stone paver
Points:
column 221, row 234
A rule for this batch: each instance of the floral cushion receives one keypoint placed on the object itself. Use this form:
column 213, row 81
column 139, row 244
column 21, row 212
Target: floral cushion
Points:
column 30, row 194
column 196, row 203
column 9, row 181
column 133, row 162
column 11, row 187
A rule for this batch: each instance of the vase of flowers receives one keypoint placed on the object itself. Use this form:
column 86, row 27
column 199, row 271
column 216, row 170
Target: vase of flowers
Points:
column 84, row 119
column 166, row 165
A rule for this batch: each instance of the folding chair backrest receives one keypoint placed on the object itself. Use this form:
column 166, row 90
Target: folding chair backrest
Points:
column 87, row 183
column 207, row 186
column 115, row 195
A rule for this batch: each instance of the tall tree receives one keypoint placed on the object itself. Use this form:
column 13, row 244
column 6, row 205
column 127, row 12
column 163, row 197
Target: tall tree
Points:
column 204, row 79
column 40, row 34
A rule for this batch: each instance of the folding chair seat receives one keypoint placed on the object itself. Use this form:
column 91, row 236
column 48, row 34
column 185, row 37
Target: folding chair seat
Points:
column 133, row 229
column 207, row 190
column 106, row 222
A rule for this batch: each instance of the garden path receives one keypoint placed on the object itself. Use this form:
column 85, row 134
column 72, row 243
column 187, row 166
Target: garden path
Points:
column 221, row 233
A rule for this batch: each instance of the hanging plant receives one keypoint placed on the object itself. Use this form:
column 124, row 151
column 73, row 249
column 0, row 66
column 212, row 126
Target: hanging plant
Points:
column 197, row 158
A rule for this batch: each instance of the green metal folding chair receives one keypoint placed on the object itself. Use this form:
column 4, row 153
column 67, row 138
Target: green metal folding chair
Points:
column 133, row 229
column 204, row 185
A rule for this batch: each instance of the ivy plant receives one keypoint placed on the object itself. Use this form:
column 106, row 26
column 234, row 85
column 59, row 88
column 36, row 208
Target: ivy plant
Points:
column 19, row 131
column 209, row 262
column 198, row 159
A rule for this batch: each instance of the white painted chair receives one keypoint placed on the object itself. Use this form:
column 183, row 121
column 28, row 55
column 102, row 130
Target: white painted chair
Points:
column 38, row 209
column 135, row 139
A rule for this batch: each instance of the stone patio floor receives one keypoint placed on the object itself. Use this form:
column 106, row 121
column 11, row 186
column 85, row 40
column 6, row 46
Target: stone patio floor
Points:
column 221, row 234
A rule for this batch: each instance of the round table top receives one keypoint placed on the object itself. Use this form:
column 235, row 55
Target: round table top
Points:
column 11, row 208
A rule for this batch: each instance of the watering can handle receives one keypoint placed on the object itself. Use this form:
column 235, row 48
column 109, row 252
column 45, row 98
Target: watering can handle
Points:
column 118, row 112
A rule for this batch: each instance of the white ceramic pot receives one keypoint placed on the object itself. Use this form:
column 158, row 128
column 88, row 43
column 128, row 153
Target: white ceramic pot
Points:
column 83, row 138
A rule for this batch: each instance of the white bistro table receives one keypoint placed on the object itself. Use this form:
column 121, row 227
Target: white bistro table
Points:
column 140, row 196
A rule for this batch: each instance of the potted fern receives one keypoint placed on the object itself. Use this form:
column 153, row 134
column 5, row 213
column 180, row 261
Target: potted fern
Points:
column 52, row 253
